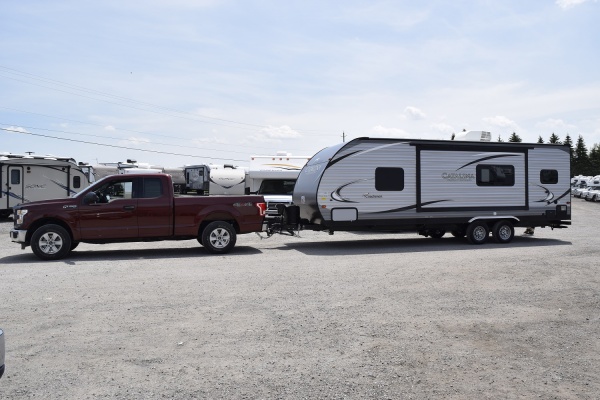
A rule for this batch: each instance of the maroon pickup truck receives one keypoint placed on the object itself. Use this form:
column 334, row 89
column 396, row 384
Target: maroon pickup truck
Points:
column 134, row 207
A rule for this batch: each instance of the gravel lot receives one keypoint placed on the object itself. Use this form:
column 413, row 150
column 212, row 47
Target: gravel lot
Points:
column 393, row 316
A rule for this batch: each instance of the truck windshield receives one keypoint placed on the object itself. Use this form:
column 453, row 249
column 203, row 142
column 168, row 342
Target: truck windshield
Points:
column 277, row 186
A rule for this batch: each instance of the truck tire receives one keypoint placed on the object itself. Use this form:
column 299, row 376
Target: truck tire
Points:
column 219, row 237
column 51, row 242
column 477, row 232
column 503, row 232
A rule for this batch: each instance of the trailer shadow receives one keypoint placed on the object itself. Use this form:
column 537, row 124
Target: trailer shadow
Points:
column 412, row 245
column 126, row 255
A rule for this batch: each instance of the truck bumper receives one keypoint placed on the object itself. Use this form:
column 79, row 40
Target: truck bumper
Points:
column 17, row 236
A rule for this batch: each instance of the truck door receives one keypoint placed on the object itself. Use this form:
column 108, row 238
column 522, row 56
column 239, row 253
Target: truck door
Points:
column 155, row 208
column 115, row 214
column 14, row 189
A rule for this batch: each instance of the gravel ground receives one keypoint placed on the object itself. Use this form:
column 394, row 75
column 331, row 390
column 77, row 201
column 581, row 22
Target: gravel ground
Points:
column 393, row 316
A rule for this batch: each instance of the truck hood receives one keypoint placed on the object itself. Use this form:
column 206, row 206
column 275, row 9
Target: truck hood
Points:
column 54, row 203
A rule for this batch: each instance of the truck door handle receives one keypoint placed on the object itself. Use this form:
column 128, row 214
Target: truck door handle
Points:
column 128, row 207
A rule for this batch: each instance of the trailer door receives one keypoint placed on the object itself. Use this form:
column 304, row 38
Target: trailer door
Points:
column 14, row 186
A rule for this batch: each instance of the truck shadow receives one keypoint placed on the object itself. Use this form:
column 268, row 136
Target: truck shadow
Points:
column 412, row 245
column 125, row 255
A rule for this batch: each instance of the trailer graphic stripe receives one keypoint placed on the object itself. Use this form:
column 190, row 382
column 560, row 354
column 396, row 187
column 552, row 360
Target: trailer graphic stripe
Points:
column 414, row 206
column 488, row 158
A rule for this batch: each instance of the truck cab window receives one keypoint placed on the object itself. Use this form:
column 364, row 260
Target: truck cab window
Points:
column 152, row 188
column 115, row 191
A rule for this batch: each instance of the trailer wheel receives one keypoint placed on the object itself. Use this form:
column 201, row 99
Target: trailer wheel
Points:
column 219, row 237
column 51, row 242
column 503, row 231
column 437, row 233
column 477, row 232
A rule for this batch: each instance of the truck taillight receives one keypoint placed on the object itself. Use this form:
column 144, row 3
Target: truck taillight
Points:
column 262, row 208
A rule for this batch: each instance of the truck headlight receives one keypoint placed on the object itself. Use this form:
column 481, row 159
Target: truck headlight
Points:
column 20, row 216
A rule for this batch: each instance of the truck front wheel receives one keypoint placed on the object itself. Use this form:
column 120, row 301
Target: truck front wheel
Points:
column 51, row 242
column 219, row 237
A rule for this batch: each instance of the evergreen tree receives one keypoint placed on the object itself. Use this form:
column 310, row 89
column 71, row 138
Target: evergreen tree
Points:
column 595, row 159
column 581, row 160
column 514, row 138
column 569, row 142
column 554, row 139
column 540, row 140
column 500, row 139
column 453, row 136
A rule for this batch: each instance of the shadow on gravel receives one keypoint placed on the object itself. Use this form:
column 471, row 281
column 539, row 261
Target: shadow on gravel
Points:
column 413, row 245
column 136, row 254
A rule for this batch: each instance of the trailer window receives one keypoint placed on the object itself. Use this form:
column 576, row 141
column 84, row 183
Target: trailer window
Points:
column 495, row 175
column 76, row 182
column 549, row 176
column 15, row 177
column 389, row 179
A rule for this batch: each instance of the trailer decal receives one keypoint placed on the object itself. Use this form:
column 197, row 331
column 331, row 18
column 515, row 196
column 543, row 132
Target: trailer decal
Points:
column 414, row 206
column 488, row 158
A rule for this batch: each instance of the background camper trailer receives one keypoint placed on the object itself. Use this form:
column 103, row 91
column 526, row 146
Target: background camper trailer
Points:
column 432, row 187
column 274, row 177
column 25, row 178
column 214, row 179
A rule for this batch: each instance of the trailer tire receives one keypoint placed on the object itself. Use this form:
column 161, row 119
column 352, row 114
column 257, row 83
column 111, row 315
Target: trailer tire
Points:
column 51, row 242
column 437, row 233
column 219, row 237
column 477, row 232
column 503, row 232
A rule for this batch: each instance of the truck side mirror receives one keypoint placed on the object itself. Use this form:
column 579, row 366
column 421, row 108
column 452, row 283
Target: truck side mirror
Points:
column 90, row 198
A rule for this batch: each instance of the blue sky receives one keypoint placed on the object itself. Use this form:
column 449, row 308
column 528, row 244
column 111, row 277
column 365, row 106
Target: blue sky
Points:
column 193, row 81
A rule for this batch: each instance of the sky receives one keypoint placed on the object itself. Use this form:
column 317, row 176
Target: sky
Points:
column 182, row 82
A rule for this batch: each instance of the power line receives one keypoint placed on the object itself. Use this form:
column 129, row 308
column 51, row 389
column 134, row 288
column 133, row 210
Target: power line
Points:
column 118, row 147
column 185, row 115
column 119, row 129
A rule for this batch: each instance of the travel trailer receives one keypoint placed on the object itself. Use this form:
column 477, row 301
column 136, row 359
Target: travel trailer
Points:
column 274, row 177
column 214, row 179
column 432, row 187
column 30, row 177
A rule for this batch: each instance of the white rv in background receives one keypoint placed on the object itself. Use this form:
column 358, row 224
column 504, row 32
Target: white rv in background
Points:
column 101, row 170
column 274, row 177
column 31, row 177
column 215, row 179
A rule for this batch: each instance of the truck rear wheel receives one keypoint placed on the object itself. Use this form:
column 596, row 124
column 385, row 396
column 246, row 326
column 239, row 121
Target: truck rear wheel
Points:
column 503, row 232
column 477, row 232
column 219, row 237
column 51, row 242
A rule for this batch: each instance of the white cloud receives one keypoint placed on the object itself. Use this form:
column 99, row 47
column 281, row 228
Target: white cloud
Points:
column 501, row 122
column 17, row 129
column 382, row 131
column 109, row 128
column 136, row 140
column 414, row 113
column 275, row 133
column 442, row 127
column 555, row 125
column 566, row 4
